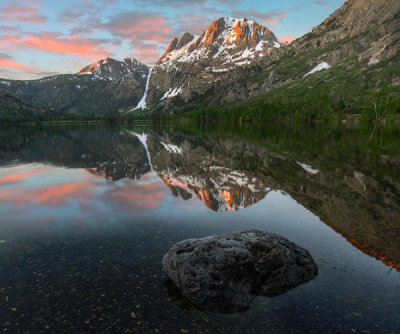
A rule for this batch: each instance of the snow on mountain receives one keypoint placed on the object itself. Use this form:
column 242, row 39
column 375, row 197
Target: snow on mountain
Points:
column 193, row 63
column 227, row 39
column 113, row 69
column 172, row 93
column 308, row 168
column 320, row 67
column 171, row 148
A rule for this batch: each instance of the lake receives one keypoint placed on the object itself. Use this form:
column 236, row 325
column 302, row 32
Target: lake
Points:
column 87, row 213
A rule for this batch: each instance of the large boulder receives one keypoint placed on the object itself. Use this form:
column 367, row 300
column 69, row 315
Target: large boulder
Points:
column 223, row 273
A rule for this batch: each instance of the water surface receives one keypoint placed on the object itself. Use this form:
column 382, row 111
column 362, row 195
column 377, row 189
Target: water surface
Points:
column 88, row 213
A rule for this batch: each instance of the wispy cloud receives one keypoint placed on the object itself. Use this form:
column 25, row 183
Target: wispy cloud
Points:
column 321, row 3
column 268, row 18
column 6, row 62
column 142, row 26
column 89, row 48
column 146, row 52
column 27, row 11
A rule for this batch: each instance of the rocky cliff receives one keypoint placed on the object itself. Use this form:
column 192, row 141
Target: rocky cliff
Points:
column 192, row 64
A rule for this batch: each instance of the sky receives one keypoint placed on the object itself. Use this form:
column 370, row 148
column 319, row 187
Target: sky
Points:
column 46, row 37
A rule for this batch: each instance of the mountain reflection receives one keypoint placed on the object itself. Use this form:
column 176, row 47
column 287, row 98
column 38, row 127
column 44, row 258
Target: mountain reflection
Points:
column 357, row 195
column 220, row 190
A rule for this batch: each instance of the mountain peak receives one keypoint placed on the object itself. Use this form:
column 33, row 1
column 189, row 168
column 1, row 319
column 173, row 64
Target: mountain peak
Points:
column 191, row 63
column 113, row 69
column 225, row 35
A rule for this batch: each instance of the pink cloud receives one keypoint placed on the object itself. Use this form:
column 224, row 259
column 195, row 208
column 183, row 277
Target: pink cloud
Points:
column 143, row 27
column 10, row 63
column 194, row 24
column 287, row 39
column 53, row 42
column 8, row 41
column 147, row 53
column 272, row 20
column 28, row 11
column 85, row 47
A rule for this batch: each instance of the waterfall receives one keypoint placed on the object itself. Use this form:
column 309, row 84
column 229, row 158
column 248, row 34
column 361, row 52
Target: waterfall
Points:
column 142, row 102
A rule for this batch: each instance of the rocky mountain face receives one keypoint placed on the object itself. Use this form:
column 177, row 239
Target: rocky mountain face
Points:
column 192, row 64
column 356, row 24
column 358, row 41
column 103, row 87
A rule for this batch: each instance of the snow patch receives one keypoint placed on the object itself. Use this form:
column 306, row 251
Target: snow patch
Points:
column 260, row 45
column 246, row 62
column 181, row 52
column 320, row 67
column 172, row 93
column 172, row 148
column 222, row 70
column 308, row 168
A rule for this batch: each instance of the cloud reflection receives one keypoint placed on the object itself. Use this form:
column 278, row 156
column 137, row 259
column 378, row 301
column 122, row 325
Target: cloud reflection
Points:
column 54, row 195
column 14, row 178
column 138, row 196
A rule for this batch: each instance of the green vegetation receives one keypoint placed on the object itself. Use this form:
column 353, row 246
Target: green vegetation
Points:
column 374, row 106
column 20, row 117
column 347, row 90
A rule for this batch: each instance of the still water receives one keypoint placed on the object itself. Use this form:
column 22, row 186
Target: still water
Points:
column 87, row 213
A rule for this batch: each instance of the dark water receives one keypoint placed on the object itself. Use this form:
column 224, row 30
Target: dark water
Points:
column 88, row 213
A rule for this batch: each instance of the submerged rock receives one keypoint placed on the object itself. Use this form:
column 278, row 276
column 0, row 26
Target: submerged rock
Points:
column 223, row 273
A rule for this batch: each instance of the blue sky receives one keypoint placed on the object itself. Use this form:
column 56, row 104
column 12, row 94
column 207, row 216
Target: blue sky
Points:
column 45, row 37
